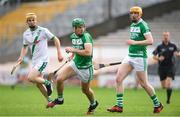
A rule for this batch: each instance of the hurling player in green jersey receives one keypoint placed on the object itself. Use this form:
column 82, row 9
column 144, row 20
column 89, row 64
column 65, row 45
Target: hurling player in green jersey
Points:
column 140, row 37
column 81, row 65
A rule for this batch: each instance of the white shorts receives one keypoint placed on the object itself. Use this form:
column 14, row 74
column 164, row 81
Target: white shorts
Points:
column 40, row 66
column 85, row 75
column 138, row 63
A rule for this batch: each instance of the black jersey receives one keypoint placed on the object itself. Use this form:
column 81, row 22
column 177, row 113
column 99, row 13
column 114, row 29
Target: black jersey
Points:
column 167, row 51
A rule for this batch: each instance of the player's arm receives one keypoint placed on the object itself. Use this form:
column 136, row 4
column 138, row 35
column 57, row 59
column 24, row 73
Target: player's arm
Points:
column 87, row 51
column 57, row 43
column 24, row 51
column 58, row 47
column 157, row 55
column 20, row 59
column 158, row 58
column 177, row 53
column 70, row 56
column 148, row 40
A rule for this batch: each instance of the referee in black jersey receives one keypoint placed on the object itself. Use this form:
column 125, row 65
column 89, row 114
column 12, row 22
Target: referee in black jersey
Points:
column 164, row 53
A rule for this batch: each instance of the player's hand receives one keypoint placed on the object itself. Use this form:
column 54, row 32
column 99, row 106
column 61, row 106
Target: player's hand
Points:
column 69, row 49
column 59, row 54
column 178, row 54
column 161, row 58
column 68, row 59
column 20, row 59
column 131, row 42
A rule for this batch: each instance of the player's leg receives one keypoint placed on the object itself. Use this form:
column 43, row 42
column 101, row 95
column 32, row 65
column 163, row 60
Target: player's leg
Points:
column 35, row 76
column 168, row 89
column 86, row 75
column 43, row 90
column 162, row 75
column 40, row 67
column 142, row 76
column 163, row 84
column 123, row 71
column 43, row 85
column 140, row 66
column 166, row 77
column 106, row 70
column 170, row 77
column 88, row 92
column 90, row 95
column 63, row 74
column 136, row 83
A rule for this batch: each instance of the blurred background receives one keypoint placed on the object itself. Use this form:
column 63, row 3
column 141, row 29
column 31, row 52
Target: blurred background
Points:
column 106, row 20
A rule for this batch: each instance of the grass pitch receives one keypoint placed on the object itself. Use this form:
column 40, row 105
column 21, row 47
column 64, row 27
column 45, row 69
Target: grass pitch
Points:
column 27, row 101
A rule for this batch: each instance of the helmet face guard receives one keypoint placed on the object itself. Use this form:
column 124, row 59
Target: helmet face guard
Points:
column 136, row 9
column 77, row 22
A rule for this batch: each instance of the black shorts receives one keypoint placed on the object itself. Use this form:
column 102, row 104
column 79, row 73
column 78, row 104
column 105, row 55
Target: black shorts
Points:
column 165, row 72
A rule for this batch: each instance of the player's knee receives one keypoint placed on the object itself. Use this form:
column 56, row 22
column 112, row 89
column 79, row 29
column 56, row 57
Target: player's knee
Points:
column 31, row 79
column 165, row 86
column 168, row 84
column 38, row 85
column 119, row 80
column 60, row 80
column 85, row 90
column 144, row 84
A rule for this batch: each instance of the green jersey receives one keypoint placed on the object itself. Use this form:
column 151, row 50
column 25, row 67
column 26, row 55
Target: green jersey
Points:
column 137, row 32
column 82, row 62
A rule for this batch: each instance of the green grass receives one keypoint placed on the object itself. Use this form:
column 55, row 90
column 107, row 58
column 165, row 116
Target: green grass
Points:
column 28, row 101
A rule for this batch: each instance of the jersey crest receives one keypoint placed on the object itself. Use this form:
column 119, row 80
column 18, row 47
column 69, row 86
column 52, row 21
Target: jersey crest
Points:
column 135, row 29
column 77, row 41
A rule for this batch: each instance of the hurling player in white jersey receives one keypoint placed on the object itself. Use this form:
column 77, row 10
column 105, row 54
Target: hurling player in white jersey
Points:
column 36, row 38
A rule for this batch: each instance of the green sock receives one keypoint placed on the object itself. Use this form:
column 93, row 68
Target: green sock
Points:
column 60, row 97
column 93, row 103
column 155, row 101
column 119, row 100
column 47, row 82
column 49, row 99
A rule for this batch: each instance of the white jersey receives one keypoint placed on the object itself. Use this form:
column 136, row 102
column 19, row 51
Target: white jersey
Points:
column 37, row 42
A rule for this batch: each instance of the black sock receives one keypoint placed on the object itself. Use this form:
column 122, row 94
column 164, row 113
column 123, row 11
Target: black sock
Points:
column 169, row 92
